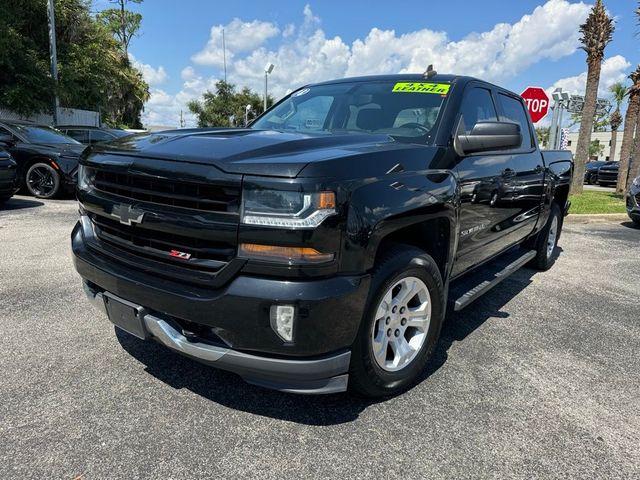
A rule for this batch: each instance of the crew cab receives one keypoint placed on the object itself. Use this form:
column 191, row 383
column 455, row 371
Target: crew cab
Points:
column 317, row 250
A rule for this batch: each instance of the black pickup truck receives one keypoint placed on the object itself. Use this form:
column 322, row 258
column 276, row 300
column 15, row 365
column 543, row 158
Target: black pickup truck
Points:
column 317, row 250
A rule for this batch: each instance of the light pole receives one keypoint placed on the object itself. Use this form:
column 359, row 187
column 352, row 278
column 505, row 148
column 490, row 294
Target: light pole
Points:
column 561, row 100
column 54, row 58
column 268, row 68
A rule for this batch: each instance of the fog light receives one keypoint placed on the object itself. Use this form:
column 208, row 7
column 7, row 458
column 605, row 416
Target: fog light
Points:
column 283, row 320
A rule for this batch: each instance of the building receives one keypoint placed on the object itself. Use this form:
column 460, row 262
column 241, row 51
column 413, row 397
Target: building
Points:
column 605, row 140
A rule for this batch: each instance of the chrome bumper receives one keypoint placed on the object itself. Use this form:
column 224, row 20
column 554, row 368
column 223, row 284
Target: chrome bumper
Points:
column 316, row 376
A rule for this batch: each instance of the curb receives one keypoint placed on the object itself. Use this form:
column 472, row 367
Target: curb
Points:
column 596, row 218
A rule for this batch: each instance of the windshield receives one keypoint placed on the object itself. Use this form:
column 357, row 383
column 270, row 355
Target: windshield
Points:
column 37, row 134
column 404, row 110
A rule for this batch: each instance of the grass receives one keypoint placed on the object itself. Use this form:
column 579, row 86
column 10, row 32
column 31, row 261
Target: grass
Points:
column 597, row 202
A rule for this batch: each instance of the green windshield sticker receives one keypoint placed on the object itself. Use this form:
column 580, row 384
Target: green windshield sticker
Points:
column 417, row 87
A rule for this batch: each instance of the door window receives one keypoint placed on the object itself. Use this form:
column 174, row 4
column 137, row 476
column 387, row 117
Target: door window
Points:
column 81, row 136
column 100, row 136
column 513, row 111
column 477, row 106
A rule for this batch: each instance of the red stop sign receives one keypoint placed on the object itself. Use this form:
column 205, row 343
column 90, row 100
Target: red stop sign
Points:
column 537, row 102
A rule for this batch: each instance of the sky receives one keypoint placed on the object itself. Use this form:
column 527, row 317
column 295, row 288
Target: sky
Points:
column 514, row 43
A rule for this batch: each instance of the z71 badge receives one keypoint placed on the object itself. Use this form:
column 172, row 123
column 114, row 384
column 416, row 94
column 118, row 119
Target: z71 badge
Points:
column 180, row 255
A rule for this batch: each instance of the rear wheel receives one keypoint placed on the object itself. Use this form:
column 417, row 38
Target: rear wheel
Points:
column 547, row 241
column 401, row 325
column 42, row 181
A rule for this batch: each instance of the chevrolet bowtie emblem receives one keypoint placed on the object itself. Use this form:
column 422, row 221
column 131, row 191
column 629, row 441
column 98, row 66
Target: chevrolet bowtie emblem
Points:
column 127, row 214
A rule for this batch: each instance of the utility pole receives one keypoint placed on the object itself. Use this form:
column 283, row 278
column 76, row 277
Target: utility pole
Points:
column 181, row 120
column 54, row 58
column 224, row 56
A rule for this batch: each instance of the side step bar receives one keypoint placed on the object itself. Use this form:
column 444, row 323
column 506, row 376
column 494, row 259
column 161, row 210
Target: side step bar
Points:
column 486, row 285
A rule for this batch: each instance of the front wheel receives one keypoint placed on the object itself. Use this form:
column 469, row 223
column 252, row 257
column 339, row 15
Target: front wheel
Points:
column 42, row 181
column 401, row 325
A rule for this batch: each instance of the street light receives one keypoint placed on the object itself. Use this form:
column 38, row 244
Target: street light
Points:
column 268, row 68
column 247, row 109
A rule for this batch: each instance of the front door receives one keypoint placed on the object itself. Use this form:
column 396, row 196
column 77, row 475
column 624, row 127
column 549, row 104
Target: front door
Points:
column 500, row 191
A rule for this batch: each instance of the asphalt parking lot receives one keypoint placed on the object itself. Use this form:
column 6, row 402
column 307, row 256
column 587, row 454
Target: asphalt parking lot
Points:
column 538, row 379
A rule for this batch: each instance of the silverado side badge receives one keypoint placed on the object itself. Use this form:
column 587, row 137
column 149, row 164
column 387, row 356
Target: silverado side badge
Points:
column 180, row 255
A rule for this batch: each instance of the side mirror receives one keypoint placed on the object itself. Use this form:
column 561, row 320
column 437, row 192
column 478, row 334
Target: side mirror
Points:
column 7, row 140
column 488, row 137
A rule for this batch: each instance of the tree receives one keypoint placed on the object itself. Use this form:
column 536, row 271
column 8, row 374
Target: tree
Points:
column 543, row 136
column 226, row 107
column 630, row 120
column 596, row 149
column 619, row 91
column 596, row 32
column 123, row 24
column 601, row 121
column 94, row 74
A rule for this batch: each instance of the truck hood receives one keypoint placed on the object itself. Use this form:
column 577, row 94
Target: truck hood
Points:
column 247, row 151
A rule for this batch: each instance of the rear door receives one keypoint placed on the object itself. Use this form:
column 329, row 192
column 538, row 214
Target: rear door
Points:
column 500, row 191
column 527, row 184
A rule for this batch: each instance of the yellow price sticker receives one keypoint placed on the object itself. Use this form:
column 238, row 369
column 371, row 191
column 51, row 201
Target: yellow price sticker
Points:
column 418, row 87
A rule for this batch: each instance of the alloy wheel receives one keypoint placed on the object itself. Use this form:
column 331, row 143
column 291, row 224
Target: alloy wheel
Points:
column 401, row 324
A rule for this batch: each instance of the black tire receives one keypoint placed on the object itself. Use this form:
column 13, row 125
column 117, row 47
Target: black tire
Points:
column 590, row 179
column 545, row 257
column 43, row 181
column 366, row 377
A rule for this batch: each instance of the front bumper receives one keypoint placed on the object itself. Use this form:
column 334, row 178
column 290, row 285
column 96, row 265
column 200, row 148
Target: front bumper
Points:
column 317, row 376
column 633, row 204
column 329, row 313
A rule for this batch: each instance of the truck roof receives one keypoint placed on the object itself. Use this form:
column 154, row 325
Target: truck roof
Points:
column 415, row 77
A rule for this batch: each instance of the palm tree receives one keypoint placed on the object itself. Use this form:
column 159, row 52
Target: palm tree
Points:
column 630, row 120
column 619, row 91
column 597, row 32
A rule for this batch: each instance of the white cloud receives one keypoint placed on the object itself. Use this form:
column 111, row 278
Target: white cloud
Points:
column 239, row 37
column 614, row 69
column 304, row 53
column 153, row 76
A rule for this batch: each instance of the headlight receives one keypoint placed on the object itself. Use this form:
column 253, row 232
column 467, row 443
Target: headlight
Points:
column 84, row 178
column 286, row 209
column 636, row 182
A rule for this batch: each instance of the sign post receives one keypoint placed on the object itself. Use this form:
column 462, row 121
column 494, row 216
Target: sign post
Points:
column 537, row 102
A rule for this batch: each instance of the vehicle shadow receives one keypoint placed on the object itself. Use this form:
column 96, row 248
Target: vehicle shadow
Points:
column 231, row 391
column 20, row 204
column 631, row 225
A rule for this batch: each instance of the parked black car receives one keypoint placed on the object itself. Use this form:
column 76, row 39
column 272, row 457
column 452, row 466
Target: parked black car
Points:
column 8, row 174
column 88, row 135
column 633, row 201
column 47, row 159
column 608, row 175
column 591, row 171
column 316, row 250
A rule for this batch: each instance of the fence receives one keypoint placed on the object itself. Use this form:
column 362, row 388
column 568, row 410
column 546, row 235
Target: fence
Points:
column 66, row 116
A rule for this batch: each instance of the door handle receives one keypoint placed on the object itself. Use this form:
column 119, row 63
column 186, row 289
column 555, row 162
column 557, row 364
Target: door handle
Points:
column 508, row 172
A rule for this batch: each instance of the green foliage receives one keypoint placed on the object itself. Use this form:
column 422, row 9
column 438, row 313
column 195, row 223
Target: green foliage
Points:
column 123, row 24
column 618, row 92
column 600, row 121
column 94, row 74
column 596, row 32
column 543, row 136
column 595, row 149
column 226, row 107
